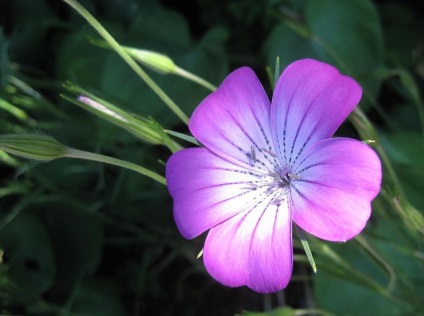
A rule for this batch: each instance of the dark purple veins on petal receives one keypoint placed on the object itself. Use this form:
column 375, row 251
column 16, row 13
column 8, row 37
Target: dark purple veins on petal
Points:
column 251, row 153
column 307, row 167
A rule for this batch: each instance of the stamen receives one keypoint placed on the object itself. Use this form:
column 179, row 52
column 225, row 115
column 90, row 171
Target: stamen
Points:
column 278, row 201
column 293, row 176
column 252, row 187
column 275, row 183
column 286, row 179
column 253, row 153
column 269, row 152
column 250, row 159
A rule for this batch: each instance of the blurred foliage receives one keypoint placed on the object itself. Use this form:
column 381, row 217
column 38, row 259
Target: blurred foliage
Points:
column 79, row 238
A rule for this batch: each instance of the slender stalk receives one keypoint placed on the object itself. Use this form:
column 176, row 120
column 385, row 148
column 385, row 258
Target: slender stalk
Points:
column 190, row 76
column 127, row 58
column 390, row 169
column 9, row 217
column 412, row 88
column 276, row 71
column 363, row 242
column 79, row 154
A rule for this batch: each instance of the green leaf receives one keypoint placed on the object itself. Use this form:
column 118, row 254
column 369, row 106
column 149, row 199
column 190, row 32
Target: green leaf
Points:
column 13, row 110
column 398, row 278
column 287, row 45
column 344, row 33
column 400, row 33
column 32, row 21
column 28, row 249
column 76, row 255
column 406, row 148
column 80, row 61
column 305, row 244
column 98, row 298
column 349, row 34
column 283, row 311
column 331, row 293
column 276, row 71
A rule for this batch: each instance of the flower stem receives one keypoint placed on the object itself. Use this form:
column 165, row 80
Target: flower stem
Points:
column 364, row 243
column 127, row 58
column 190, row 76
column 79, row 154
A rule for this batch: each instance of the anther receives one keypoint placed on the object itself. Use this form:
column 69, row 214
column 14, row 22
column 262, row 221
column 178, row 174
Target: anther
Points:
column 277, row 201
column 269, row 152
column 253, row 153
column 286, row 179
column 251, row 187
column 293, row 176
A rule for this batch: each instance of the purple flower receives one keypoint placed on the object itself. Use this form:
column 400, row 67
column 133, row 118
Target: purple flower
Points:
column 265, row 165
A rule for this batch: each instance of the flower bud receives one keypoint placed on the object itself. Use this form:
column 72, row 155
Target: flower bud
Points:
column 110, row 112
column 143, row 128
column 156, row 61
column 37, row 147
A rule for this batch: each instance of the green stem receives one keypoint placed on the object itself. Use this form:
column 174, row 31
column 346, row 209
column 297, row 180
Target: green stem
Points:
column 363, row 242
column 9, row 217
column 188, row 75
column 390, row 170
column 79, row 154
column 127, row 58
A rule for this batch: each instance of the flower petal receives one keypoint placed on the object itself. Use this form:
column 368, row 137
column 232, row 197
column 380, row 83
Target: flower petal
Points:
column 253, row 248
column 208, row 189
column 338, row 179
column 310, row 102
column 233, row 122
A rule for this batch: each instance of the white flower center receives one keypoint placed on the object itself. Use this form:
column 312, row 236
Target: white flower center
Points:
column 278, row 186
column 271, row 180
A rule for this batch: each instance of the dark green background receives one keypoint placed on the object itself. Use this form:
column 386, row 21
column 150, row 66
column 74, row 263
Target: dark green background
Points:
column 79, row 238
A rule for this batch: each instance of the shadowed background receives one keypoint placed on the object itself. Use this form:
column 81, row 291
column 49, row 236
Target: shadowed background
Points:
column 80, row 238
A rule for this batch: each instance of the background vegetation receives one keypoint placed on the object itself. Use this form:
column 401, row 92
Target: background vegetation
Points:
column 81, row 238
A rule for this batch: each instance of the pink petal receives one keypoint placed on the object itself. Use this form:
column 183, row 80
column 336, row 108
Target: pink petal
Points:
column 208, row 189
column 253, row 248
column 338, row 179
column 233, row 121
column 310, row 102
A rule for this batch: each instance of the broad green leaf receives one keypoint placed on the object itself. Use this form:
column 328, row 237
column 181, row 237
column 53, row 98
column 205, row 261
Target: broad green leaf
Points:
column 28, row 251
column 288, row 45
column 76, row 255
column 344, row 33
column 396, row 271
column 32, row 21
column 346, row 298
column 282, row 311
column 98, row 298
column 406, row 148
column 79, row 61
column 399, row 33
column 349, row 34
